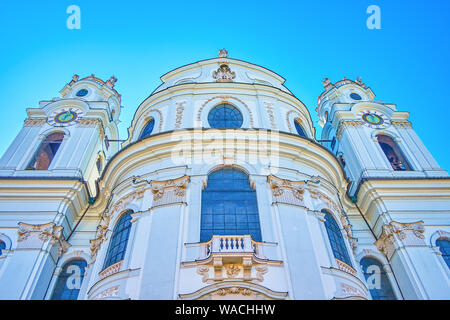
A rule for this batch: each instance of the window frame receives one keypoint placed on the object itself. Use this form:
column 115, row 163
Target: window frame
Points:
column 110, row 258
column 336, row 240
column 220, row 202
column 224, row 105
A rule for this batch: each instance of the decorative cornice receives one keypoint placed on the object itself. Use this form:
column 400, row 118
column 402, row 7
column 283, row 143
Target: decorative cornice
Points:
column 402, row 124
column 34, row 236
column 35, row 122
column 347, row 124
column 396, row 235
column 286, row 191
column 169, row 191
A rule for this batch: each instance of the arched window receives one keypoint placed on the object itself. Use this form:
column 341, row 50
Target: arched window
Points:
column 444, row 248
column 393, row 153
column 69, row 281
column 377, row 281
column 299, row 128
column 147, row 131
column 119, row 240
column 46, row 152
column 2, row 246
column 229, row 206
column 225, row 116
column 336, row 239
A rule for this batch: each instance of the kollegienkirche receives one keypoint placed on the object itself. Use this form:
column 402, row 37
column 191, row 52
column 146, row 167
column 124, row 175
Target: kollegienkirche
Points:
column 222, row 191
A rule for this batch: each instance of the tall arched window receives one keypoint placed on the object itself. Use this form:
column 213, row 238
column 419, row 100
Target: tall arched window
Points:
column 69, row 281
column 229, row 206
column 377, row 281
column 2, row 247
column 336, row 239
column 225, row 116
column 119, row 240
column 444, row 248
column 393, row 153
column 147, row 131
column 46, row 152
column 299, row 128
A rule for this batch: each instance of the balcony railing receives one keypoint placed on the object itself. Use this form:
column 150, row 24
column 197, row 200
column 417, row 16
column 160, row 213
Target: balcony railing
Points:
column 230, row 244
column 345, row 267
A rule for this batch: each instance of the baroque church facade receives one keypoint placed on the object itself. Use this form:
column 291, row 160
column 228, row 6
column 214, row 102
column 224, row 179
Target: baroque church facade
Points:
column 222, row 191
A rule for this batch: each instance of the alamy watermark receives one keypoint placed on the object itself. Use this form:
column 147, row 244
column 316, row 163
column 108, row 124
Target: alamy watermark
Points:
column 374, row 20
column 74, row 19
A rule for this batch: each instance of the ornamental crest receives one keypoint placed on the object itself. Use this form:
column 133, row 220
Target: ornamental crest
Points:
column 224, row 74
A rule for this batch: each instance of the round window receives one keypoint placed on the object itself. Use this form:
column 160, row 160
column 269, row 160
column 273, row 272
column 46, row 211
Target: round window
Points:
column 82, row 93
column 225, row 116
column 355, row 96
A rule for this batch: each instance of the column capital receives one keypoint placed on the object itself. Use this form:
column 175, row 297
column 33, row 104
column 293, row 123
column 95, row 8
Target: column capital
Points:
column 396, row 235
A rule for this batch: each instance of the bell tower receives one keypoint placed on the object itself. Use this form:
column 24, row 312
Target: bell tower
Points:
column 47, row 180
column 371, row 138
column 68, row 136
column 393, row 182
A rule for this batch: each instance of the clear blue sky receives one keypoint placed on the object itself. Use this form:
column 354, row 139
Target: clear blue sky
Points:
column 406, row 62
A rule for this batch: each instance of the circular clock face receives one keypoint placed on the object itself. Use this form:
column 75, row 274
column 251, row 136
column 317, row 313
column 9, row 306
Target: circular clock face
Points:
column 373, row 119
column 64, row 117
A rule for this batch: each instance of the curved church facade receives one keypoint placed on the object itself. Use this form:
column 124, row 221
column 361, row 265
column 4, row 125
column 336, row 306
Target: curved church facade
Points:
column 222, row 191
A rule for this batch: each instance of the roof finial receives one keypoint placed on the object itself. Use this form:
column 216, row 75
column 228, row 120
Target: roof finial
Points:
column 223, row 53
column 111, row 82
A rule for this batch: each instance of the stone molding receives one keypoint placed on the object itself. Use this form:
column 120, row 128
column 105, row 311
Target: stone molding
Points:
column 347, row 124
column 169, row 191
column 179, row 115
column 34, row 236
column 286, row 191
column 35, row 122
column 108, row 293
column 396, row 235
column 270, row 113
column 103, row 226
column 402, row 124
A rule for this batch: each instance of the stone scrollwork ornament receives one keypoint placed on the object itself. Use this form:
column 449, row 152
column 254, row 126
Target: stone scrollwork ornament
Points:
column 224, row 74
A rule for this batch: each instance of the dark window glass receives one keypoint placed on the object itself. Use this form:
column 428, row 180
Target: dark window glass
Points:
column 70, row 280
column 147, row 129
column 355, row 96
column 229, row 206
column 225, row 116
column 444, row 247
column 46, row 152
column 393, row 153
column 299, row 128
column 99, row 165
column 377, row 281
column 82, row 93
column 333, row 143
column 2, row 246
column 336, row 239
column 119, row 240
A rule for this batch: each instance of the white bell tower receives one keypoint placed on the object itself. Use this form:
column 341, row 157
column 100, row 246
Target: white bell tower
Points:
column 393, row 180
column 68, row 136
column 371, row 138
column 47, row 180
